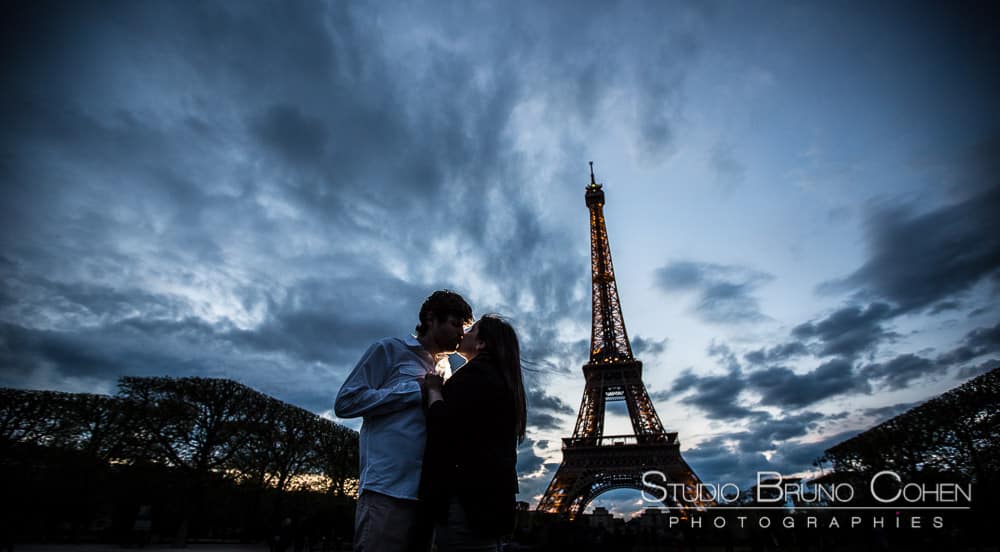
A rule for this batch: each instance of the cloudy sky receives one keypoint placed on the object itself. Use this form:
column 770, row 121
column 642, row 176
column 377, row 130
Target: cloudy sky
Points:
column 802, row 201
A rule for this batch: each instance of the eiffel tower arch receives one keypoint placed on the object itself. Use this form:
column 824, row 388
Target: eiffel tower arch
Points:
column 594, row 463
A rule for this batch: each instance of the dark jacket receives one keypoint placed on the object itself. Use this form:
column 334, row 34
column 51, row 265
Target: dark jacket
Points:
column 472, row 449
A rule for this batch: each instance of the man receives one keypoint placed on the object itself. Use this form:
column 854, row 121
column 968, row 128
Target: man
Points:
column 386, row 389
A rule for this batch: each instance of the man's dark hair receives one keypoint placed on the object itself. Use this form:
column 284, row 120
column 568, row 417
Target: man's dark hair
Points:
column 442, row 304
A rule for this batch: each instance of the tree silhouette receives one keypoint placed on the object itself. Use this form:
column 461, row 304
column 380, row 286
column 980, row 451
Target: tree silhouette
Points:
column 195, row 424
column 957, row 432
column 337, row 457
column 191, row 437
column 281, row 446
column 30, row 416
column 96, row 425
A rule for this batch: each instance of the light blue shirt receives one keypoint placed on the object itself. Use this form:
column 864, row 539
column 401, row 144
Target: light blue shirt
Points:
column 384, row 389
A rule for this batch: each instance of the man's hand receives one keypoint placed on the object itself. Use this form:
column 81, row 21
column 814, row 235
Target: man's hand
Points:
column 432, row 384
column 433, row 381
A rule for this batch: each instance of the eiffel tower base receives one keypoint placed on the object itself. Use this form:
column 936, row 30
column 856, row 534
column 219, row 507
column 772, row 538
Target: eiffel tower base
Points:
column 588, row 471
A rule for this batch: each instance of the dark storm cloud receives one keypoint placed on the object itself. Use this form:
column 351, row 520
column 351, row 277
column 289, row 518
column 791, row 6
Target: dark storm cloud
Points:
column 725, row 293
column 293, row 135
column 978, row 312
column 738, row 456
column 533, row 473
column 547, row 281
column 544, row 410
column 717, row 396
column 33, row 298
column 730, row 397
column 729, row 302
column 780, row 386
column 844, row 335
column 544, row 421
column 527, row 461
column 319, row 320
column 945, row 306
column 974, row 370
column 530, row 487
column 106, row 352
column 798, row 456
column 652, row 347
column 721, row 460
column 538, row 399
column 92, row 305
column 190, row 347
column 904, row 370
column 578, row 64
column 778, row 353
column 105, row 333
column 542, row 353
column 848, row 332
column 883, row 413
column 978, row 342
column 660, row 395
column 273, row 166
column 901, row 371
column 724, row 355
column 766, row 433
column 958, row 246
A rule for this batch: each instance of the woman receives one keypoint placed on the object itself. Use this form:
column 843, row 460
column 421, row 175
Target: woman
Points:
column 474, row 423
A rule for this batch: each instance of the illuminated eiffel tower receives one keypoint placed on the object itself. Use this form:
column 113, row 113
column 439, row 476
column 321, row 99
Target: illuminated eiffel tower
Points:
column 594, row 463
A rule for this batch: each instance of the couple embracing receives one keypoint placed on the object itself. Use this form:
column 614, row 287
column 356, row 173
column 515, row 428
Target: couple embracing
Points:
column 437, row 457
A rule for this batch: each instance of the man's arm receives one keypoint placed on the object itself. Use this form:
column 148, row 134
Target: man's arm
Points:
column 362, row 395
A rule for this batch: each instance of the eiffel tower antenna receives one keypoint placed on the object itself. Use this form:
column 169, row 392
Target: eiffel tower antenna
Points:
column 594, row 463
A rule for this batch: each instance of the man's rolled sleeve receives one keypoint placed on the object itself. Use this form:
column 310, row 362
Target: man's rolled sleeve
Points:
column 362, row 395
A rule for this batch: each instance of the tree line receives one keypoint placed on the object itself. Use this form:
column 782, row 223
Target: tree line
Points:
column 956, row 433
column 950, row 440
column 200, row 445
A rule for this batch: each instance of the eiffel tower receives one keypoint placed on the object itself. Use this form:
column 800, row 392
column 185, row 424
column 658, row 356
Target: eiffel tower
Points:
column 594, row 463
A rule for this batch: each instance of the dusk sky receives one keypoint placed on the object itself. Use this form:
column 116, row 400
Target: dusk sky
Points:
column 802, row 201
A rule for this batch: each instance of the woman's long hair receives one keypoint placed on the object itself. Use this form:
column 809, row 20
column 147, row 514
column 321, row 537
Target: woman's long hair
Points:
column 501, row 342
